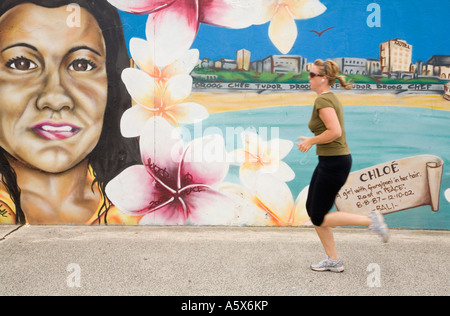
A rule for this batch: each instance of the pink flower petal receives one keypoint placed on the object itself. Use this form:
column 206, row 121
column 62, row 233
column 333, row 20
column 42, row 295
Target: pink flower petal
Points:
column 210, row 207
column 162, row 147
column 198, row 205
column 207, row 207
column 230, row 14
column 141, row 6
column 171, row 214
column 205, row 161
column 172, row 31
column 133, row 190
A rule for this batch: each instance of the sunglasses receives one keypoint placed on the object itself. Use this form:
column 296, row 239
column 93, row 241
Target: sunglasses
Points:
column 312, row 75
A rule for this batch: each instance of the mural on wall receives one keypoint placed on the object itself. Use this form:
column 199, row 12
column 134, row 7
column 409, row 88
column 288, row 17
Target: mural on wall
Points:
column 192, row 116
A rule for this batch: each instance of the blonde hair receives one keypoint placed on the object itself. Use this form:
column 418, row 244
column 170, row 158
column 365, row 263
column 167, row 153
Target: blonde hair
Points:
column 330, row 69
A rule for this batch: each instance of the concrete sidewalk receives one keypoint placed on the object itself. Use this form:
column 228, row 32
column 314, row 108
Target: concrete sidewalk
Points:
column 217, row 261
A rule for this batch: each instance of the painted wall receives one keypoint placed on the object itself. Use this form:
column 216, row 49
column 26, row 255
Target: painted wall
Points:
column 187, row 112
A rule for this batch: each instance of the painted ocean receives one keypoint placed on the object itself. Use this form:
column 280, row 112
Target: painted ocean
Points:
column 375, row 135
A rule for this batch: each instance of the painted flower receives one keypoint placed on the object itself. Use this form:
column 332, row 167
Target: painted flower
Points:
column 156, row 99
column 141, row 6
column 179, row 20
column 158, row 90
column 259, row 156
column 173, row 24
column 142, row 52
column 269, row 202
column 174, row 186
column 283, row 30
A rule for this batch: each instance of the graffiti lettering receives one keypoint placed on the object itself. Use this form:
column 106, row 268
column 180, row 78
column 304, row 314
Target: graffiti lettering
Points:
column 402, row 44
column 379, row 172
column 419, row 87
column 274, row 86
column 300, row 87
column 208, row 85
column 285, row 87
column 239, row 85
column 394, row 186
column 389, row 87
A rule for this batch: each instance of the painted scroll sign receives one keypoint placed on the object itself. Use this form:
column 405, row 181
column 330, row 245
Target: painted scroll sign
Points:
column 393, row 186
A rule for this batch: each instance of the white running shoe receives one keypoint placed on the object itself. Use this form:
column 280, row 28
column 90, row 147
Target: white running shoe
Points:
column 329, row 265
column 378, row 226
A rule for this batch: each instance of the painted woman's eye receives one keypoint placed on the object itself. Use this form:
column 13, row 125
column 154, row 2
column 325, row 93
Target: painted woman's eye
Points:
column 82, row 65
column 21, row 64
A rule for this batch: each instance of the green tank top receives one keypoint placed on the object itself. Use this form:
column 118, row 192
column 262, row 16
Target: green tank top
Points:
column 338, row 147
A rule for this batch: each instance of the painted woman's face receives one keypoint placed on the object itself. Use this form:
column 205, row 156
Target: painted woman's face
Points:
column 53, row 86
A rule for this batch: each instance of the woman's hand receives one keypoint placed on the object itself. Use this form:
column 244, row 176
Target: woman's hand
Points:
column 306, row 144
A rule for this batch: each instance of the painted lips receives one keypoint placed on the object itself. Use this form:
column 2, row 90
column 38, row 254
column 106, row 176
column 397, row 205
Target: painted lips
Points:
column 53, row 131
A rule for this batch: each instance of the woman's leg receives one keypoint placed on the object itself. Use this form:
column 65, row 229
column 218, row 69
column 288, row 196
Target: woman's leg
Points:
column 328, row 179
column 336, row 219
column 327, row 239
column 325, row 231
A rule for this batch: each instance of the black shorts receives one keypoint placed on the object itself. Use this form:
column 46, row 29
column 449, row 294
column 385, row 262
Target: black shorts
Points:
column 329, row 177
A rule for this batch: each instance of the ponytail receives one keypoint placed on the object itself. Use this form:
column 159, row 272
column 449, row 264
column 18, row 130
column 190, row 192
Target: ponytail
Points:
column 330, row 69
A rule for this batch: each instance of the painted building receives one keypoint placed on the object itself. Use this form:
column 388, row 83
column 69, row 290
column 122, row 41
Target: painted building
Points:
column 373, row 67
column 283, row 64
column 226, row 64
column 438, row 65
column 396, row 56
column 206, row 63
column 243, row 59
column 352, row 66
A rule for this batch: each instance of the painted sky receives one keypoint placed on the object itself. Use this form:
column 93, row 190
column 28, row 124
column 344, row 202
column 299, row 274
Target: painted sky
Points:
column 423, row 24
